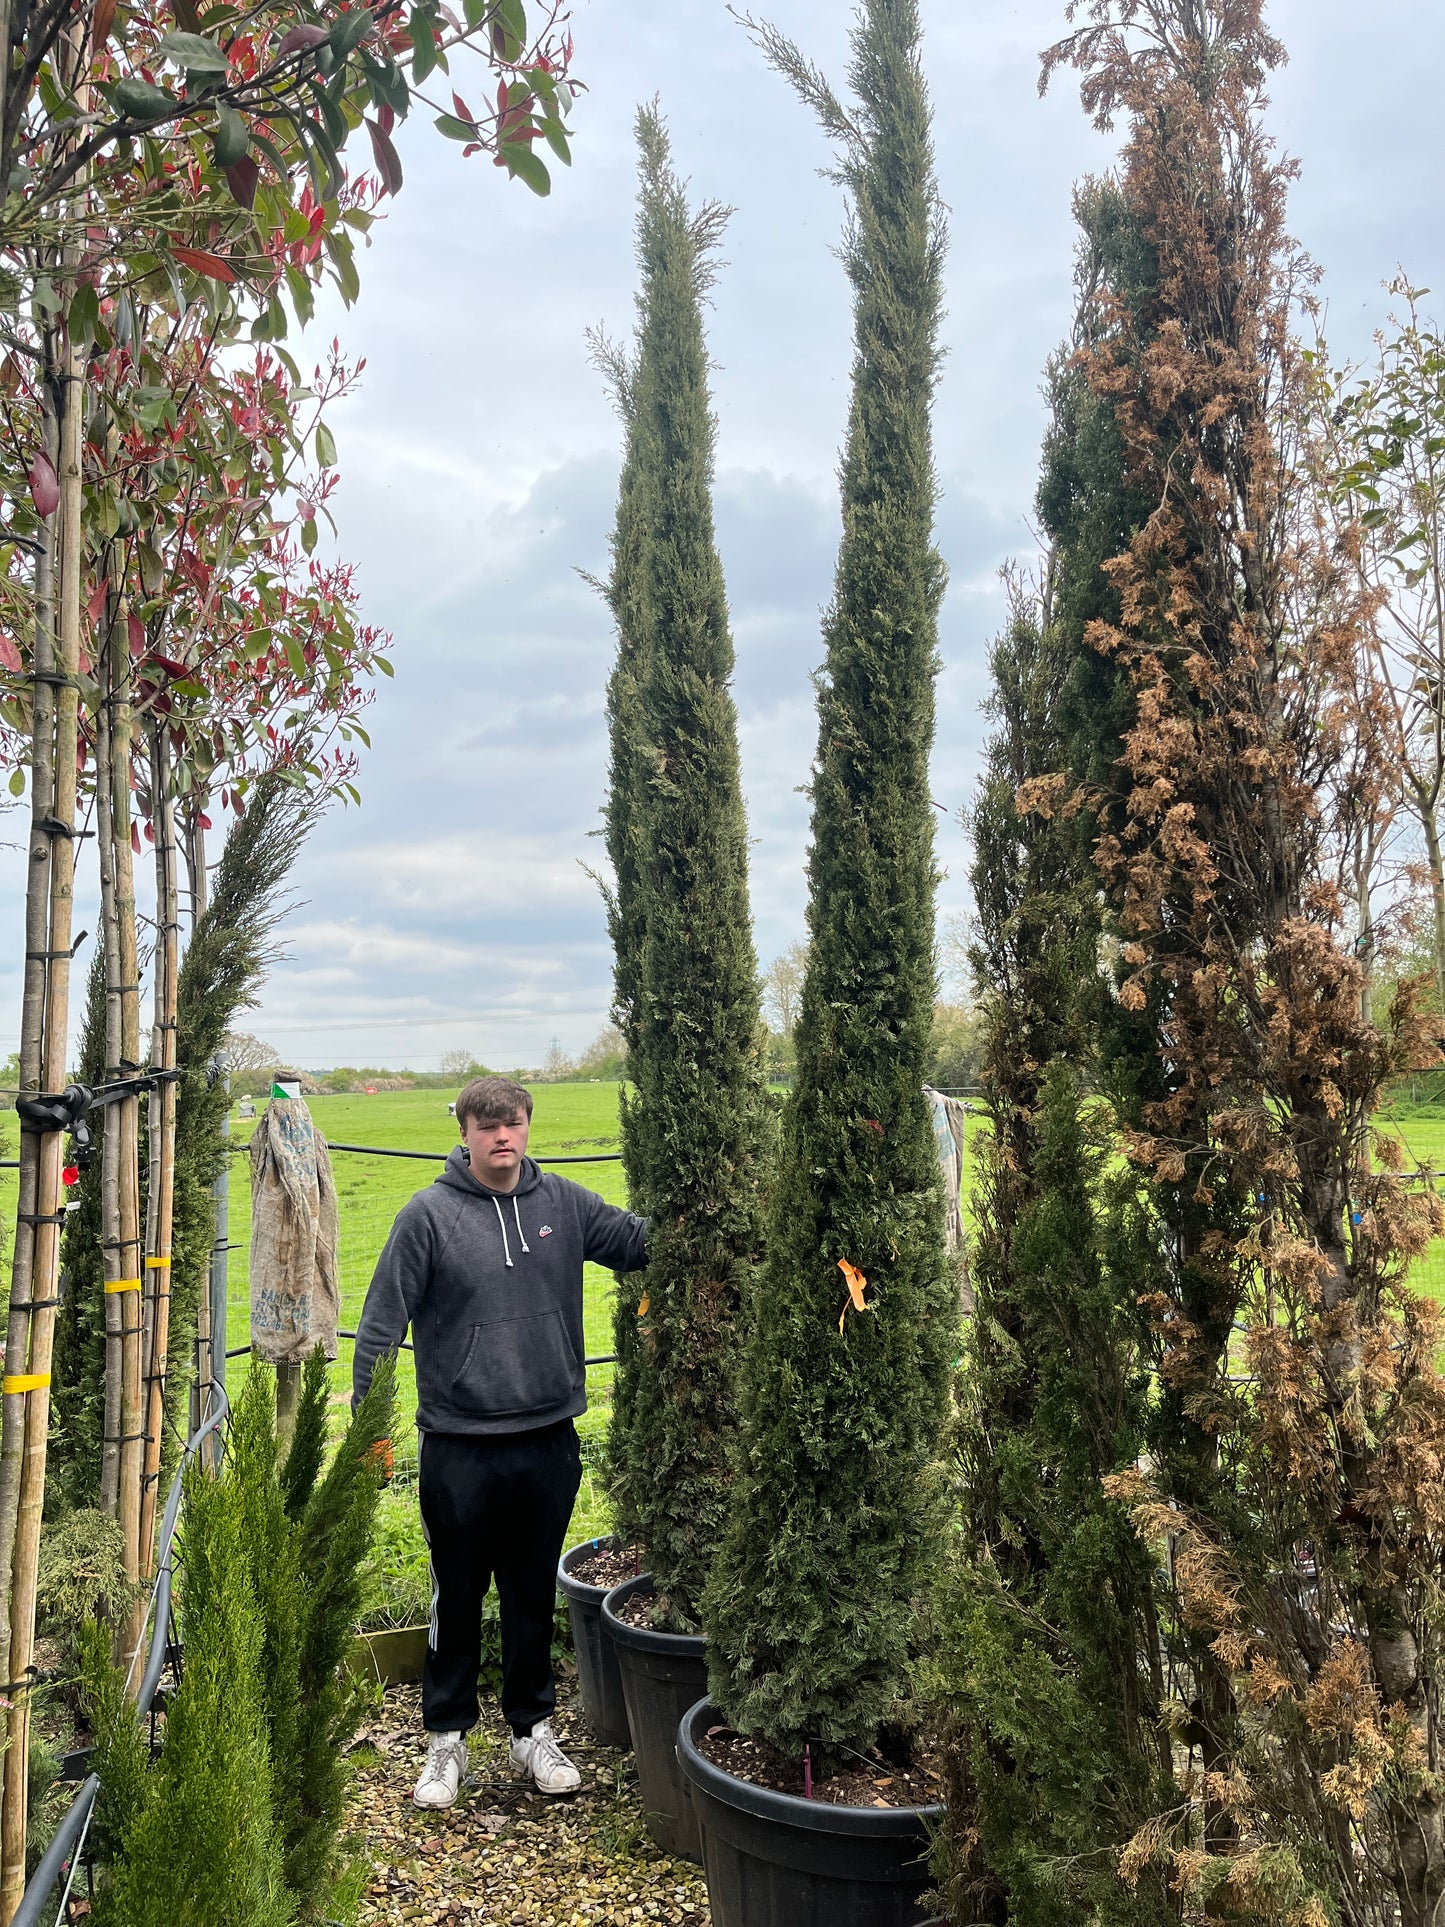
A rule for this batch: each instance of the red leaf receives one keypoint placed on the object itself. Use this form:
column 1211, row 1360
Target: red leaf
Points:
column 242, row 179
column 202, row 261
column 204, row 822
column 95, row 608
column 9, row 655
column 101, row 24
column 300, row 37
column 388, row 162
column 44, row 484
column 386, row 117
column 136, row 630
column 171, row 666
column 463, row 111
column 134, row 837
column 150, row 834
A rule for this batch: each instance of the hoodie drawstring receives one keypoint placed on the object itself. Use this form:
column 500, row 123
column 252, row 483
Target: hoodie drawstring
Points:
column 517, row 1219
column 506, row 1248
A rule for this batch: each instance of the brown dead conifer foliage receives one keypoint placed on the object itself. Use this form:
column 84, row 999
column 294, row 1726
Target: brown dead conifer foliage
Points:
column 1308, row 1564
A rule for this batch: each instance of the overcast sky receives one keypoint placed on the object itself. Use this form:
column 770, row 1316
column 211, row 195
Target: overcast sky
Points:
column 479, row 466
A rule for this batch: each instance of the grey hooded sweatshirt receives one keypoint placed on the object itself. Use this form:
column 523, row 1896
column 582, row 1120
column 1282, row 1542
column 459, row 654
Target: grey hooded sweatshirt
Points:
column 491, row 1284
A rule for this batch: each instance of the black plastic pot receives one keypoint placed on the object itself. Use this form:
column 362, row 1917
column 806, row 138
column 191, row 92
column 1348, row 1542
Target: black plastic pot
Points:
column 663, row 1674
column 773, row 1860
column 598, row 1679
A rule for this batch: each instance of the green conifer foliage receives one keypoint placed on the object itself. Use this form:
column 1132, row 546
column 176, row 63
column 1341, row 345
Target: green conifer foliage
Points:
column 696, row 1122
column 72, row 1466
column 226, row 960
column 809, row 1613
column 1050, row 1657
column 334, row 1537
column 238, row 1822
column 203, row 1843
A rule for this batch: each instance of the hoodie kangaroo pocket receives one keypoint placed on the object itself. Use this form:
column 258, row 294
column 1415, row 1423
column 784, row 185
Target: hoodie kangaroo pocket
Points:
column 515, row 1366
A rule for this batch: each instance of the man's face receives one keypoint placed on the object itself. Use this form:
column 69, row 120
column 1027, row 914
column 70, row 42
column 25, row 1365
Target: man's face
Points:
column 496, row 1149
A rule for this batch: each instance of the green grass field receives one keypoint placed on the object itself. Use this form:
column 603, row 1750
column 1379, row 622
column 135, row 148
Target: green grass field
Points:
column 570, row 1120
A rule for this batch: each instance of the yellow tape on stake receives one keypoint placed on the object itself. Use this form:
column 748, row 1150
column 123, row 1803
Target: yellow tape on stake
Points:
column 25, row 1382
column 122, row 1284
column 158, row 1264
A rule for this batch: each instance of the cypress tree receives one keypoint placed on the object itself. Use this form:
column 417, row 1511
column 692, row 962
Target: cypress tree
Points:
column 809, row 1611
column 229, row 953
column 696, row 1122
column 201, row 1843
column 1050, row 1656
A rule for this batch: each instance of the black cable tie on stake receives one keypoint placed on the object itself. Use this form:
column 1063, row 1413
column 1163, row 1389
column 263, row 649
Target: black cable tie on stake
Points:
column 40, row 1217
column 33, row 1304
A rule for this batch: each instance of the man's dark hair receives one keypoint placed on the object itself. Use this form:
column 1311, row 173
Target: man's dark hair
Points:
column 493, row 1100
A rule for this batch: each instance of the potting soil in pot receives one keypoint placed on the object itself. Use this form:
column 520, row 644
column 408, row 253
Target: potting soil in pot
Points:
column 608, row 1566
column 872, row 1782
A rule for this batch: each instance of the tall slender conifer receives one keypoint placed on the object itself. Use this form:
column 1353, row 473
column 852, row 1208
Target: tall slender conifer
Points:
column 809, row 1612
column 696, row 1122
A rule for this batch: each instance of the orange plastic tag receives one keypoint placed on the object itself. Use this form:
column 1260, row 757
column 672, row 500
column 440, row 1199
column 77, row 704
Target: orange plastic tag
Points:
column 857, row 1285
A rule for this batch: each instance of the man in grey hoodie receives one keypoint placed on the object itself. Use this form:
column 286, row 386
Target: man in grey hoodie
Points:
column 486, row 1267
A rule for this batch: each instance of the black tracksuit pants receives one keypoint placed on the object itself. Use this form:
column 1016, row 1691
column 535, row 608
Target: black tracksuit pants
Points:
column 494, row 1506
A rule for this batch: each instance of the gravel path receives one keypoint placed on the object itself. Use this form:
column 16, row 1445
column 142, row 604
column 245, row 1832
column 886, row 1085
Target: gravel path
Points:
column 505, row 1853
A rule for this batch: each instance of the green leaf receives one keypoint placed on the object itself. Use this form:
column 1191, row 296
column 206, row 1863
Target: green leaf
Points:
column 83, row 319
column 309, row 536
column 454, row 129
column 423, row 46
column 293, row 648
column 337, row 126
column 17, row 782
column 349, row 31
column 303, row 296
column 325, row 446
column 557, row 141
column 527, row 166
column 511, row 17
column 138, row 100
column 233, row 138
column 194, row 52
column 343, row 261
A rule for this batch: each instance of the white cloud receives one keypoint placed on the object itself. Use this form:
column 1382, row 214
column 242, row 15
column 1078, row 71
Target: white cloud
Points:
column 479, row 458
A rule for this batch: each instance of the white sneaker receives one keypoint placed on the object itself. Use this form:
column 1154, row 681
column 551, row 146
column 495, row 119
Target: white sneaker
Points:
column 446, row 1762
column 539, row 1757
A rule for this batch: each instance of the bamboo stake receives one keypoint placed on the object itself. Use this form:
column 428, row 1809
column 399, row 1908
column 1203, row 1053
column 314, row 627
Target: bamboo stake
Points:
column 35, row 1369
column 162, row 1112
column 120, row 1175
column 25, row 1262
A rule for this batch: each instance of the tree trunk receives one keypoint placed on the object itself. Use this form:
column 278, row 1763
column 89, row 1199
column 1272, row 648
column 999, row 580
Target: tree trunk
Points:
column 28, row 1361
column 162, row 1114
column 1431, row 828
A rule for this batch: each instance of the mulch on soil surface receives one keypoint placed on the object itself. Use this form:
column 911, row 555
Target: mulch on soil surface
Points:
column 609, row 1566
column 877, row 1782
column 505, row 1853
